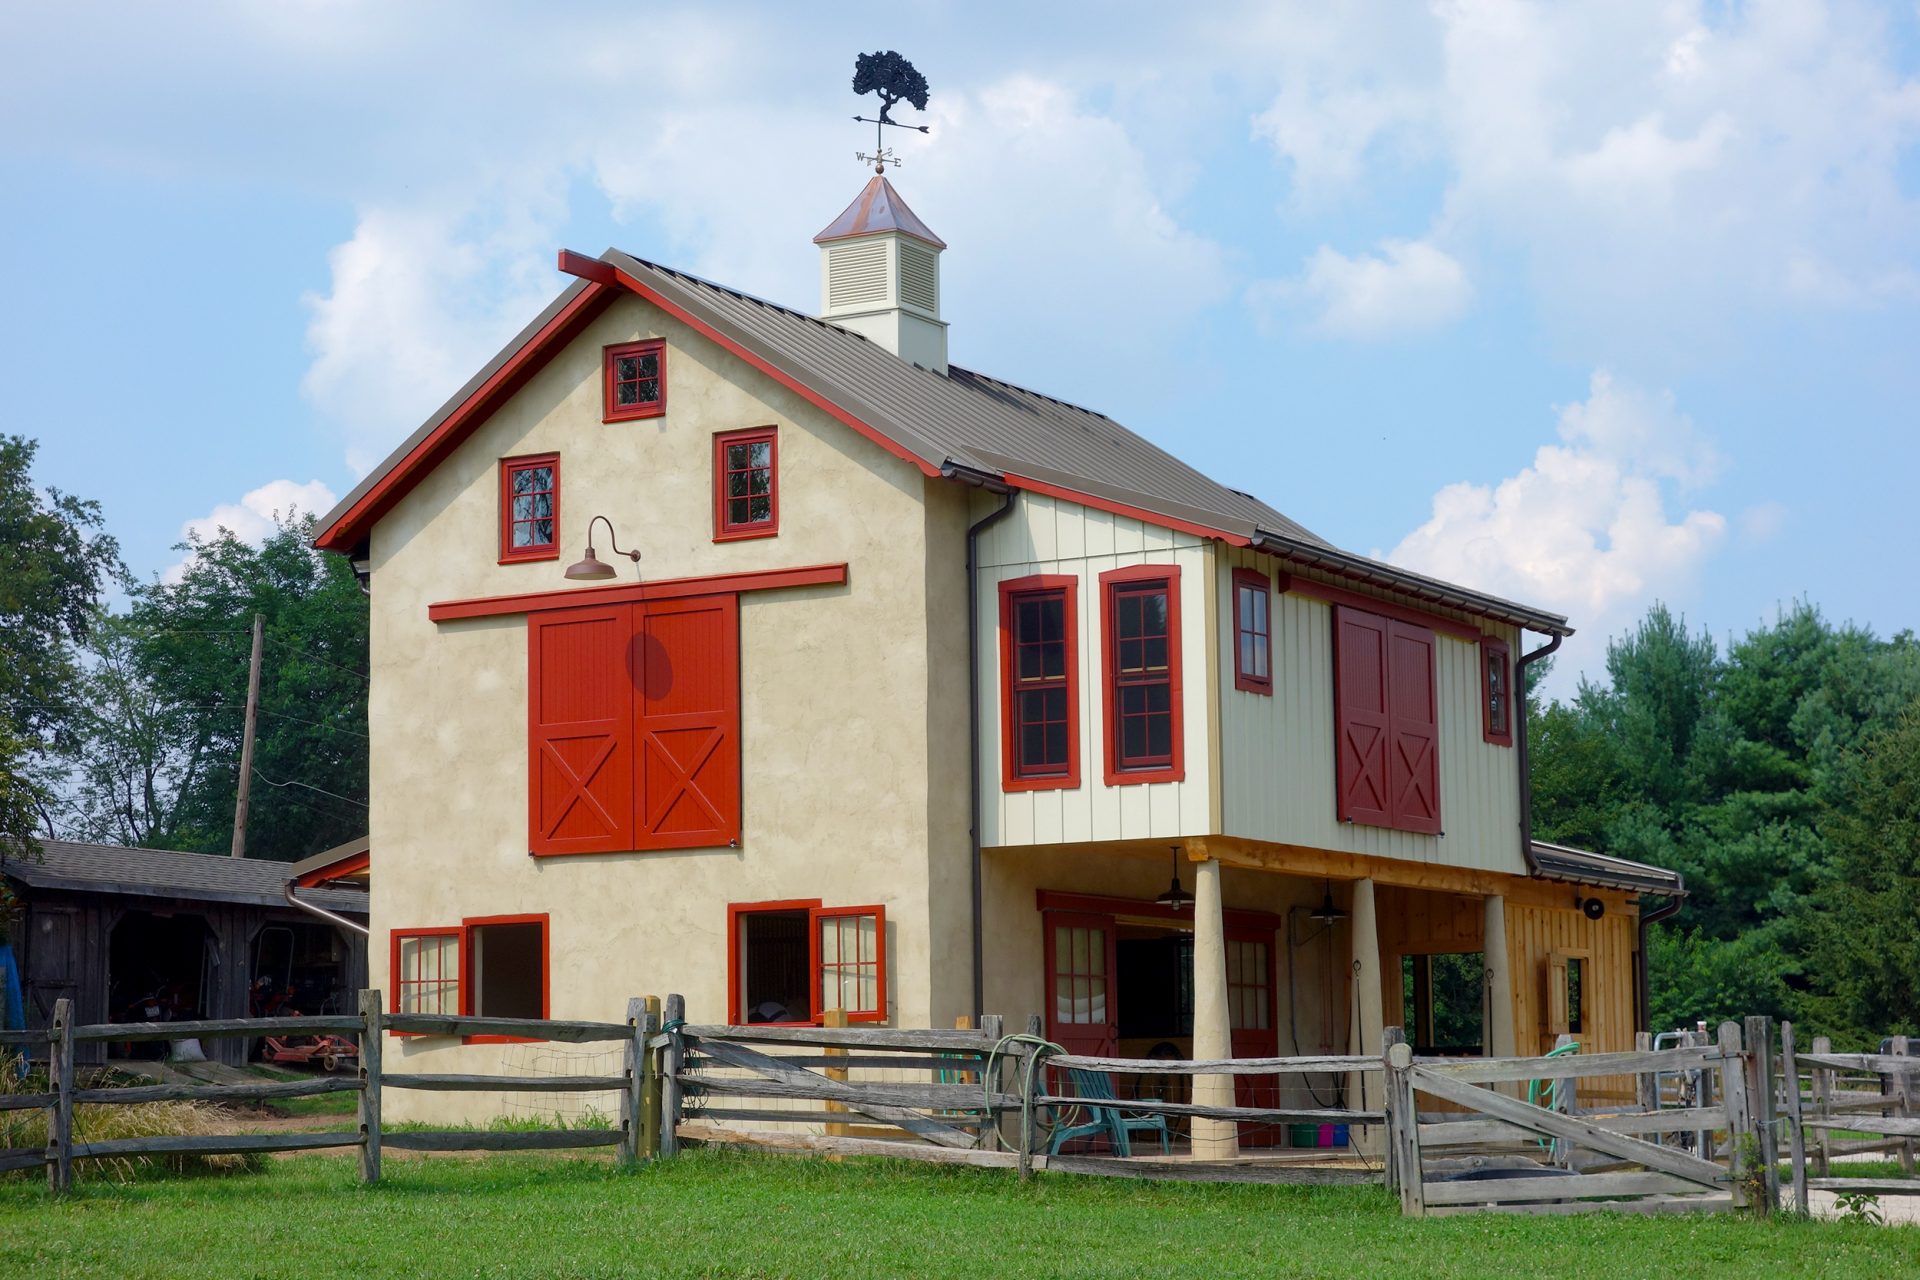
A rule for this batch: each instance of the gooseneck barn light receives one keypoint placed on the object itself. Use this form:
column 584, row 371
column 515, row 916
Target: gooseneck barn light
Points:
column 591, row 568
column 1175, row 896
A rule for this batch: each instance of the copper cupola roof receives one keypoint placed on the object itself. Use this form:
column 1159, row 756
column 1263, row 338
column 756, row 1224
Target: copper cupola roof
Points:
column 878, row 208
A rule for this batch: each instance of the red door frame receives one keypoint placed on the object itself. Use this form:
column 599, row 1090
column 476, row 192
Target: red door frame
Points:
column 1255, row 1042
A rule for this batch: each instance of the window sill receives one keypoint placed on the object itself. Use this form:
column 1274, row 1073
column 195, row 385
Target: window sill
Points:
column 1131, row 777
column 545, row 553
column 632, row 415
column 1065, row 782
column 1243, row 684
column 742, row 535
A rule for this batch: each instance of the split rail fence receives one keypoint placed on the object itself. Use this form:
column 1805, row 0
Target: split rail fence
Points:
column 1839, row 1105
column 636, row 1131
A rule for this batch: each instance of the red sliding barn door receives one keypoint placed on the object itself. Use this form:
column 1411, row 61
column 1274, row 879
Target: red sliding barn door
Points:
column 580, row 730
column 1360, row 716
column 689, row 723
column 1413, row 760
column 1082, row 1015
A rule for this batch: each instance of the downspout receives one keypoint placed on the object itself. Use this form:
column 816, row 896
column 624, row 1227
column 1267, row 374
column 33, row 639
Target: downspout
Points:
column 286, row 891
column 980, row 526
column 1526, row 762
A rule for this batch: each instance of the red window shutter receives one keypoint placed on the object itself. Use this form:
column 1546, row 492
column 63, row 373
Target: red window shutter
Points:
column 580, row 730
column 1360, row 716
column 689, row 723
column 1413, row 760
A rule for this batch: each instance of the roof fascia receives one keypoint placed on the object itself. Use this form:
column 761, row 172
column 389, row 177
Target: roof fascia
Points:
column 348, row 524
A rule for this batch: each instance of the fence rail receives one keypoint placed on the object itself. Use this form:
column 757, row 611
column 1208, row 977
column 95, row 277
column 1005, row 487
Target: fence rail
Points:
column 1836, row 1099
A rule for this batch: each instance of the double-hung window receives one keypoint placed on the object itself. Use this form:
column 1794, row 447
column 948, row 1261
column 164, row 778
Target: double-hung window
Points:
column 530, row 508
column 1141, row 608
column 792, row 961
column 636, row 380
column 1039, row 683
column 1252, row 632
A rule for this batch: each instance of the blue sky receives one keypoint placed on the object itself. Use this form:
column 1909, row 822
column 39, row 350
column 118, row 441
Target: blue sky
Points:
column 1589, row 305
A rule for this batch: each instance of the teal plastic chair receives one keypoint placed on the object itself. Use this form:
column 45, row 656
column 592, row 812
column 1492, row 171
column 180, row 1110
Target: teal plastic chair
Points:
column 1108, row 1121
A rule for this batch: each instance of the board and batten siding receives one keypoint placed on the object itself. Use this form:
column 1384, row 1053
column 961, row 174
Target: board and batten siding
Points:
column 1277, row 752
column 1046, row 535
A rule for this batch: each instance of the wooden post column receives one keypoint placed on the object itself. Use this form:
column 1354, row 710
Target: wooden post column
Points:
column 1499, row 976
column 1365, row 1090
column 1212, row 1028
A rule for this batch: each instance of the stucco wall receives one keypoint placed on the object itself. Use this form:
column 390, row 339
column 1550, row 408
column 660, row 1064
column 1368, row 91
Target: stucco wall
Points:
column 1046, row 535
column 1277, row 757
column 838, row 700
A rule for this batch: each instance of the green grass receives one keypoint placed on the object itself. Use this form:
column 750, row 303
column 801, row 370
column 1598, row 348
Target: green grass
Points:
column 726, row 1214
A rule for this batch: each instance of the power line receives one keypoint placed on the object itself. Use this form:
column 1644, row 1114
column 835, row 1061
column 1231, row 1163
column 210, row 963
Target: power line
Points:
column 295, row 782
column 303, row 650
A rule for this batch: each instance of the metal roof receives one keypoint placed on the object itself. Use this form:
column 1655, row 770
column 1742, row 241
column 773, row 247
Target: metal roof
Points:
column 964, row 422
column 878, row 208
column 165, row 873
column 1583, row 866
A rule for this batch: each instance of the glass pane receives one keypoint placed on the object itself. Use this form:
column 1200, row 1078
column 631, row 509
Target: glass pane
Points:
column 1247, row 654
column 1260, row 657
column 650, row 364
column 869, row 939
column 626, row 369
column 1133, row 738
column 736, row 484
column 1096, row 951
column 1154, row 654
column 1056, row 748
column 759, row 510
column 760, row 454
column 1154, row 613
column 737, row 511
column 1159, row 736
column 760, row 480
column 830, row 941
column 647, row 390
column 1033, row 744
column 1127, row 615
column 1052, row 612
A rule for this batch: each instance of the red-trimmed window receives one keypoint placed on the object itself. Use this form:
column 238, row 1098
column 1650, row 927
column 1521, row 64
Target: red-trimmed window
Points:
column 425, row 971
column 1141, row 608
column 530, row 508
column 1039, row 683
column 636, row 380
column 789, row 961
column 505, row 969
column 1252, row 632
column 1496, row 689
column 746, row 484
column 1386, row 723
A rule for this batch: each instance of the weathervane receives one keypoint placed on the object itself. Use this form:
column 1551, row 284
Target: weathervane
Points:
column 895, row 80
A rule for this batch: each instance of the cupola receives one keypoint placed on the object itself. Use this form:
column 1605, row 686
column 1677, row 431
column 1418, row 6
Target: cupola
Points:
column 880, row 276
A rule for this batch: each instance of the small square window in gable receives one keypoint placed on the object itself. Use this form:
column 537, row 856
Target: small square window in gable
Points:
column 636, row 380
column 530, row 508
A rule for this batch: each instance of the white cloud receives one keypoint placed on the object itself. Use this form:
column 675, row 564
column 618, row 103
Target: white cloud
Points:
column 258, row 513
column 1585, row 529
column 1409, row 286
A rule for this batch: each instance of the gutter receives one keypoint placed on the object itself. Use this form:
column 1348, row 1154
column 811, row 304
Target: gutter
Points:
column 978, row 480
column 286, row 891
column 1642, row 993
column 1526, row 760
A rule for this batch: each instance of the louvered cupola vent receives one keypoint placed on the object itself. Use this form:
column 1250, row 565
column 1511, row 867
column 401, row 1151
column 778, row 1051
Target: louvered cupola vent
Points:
column 880, row 276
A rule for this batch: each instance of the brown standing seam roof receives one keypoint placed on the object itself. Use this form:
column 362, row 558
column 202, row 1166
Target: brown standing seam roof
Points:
column 967, row 421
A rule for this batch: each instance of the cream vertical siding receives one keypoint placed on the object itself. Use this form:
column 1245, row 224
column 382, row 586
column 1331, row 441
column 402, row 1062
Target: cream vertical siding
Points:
column 1045, row 535
column 1278, row 753
column 844, row 798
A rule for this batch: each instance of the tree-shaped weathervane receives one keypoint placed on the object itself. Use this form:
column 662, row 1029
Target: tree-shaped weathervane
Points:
column 895, row 80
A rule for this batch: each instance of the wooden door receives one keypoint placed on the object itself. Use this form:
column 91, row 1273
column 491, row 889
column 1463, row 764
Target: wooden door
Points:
column 1252, row 1016
column 688, row 726
column 1082, row 1014
column 580, row 730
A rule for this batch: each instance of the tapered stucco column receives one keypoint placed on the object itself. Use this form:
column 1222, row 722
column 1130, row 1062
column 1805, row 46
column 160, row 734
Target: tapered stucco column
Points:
column 1212, row 1031
column 1500, row 1040
column 1366, row 1091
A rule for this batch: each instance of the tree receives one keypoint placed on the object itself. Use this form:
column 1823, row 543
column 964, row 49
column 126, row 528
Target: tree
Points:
column 53, row 566
column 1866, row 949
column 168, row 686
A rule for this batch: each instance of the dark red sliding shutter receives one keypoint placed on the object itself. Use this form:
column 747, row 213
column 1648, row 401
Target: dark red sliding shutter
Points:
column 580, row 730
column 1360, row 716
column 689, row 723
column 1413, row 757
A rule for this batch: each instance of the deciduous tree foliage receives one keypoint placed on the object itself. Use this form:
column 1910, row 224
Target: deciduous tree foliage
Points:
column 54, row 563
column 1742, row 770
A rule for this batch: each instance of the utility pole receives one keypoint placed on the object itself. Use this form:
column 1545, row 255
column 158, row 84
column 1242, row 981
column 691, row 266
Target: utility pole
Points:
column 246, row 746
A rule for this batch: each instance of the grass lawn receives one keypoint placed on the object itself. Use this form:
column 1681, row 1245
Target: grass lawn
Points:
column 727, row 1214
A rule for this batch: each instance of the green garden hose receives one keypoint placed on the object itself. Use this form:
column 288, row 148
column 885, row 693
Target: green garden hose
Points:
column 1041, row 1047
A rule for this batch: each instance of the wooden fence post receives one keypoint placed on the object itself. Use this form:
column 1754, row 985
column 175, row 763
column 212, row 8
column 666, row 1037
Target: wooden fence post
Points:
column 1796, row 1135
column 635, row 1060
column 1764, row 1101
column 60, row 1084
column 649, row 1078
column 834, row 1018
column 1646, row 1084
column 676, row 1060
column 991, row 1030
column 1031, row 1081
column 1389, row 1037
column 1403, row 1130
column 370, row 1086
column 1904, row 1085
column 1733, row 1087
column 1703, row 1095
column 1822, row 1105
